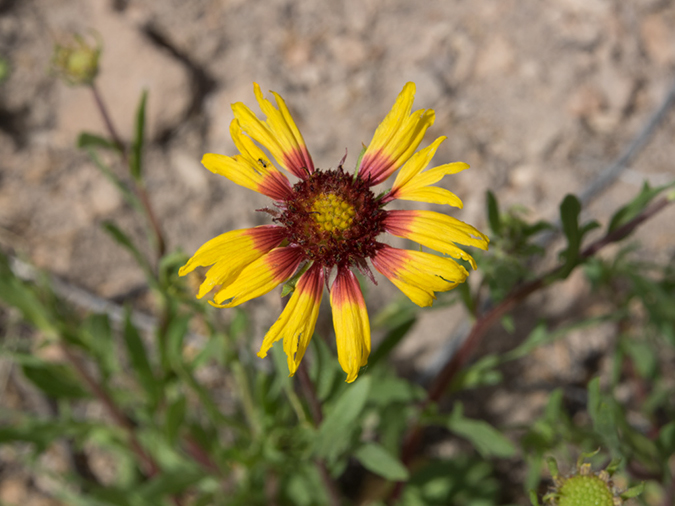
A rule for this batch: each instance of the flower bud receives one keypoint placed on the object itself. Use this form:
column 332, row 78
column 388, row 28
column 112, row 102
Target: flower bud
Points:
column 76, row 62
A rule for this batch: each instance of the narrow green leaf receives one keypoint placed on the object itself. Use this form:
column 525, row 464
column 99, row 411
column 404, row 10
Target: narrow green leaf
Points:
column 98, row 335
column 89, row 140
column 594, row 398
column 56, row 380
column 633, row 491
column 666, row 440
column 325, row 370
column 379, row 461
column 637, row 205
column 570, row 208
column 357, row 167
column 128, row 195
column 175, row 415
column 487, row 440
column 173, row 338
column 139, row 361
column 125, row 241
column 336, row 429
column 136, row 161
column 494, row 219
column 390, row 341
column 24, row 297
column 603, row 415
column 170, row 483
column 508, row 324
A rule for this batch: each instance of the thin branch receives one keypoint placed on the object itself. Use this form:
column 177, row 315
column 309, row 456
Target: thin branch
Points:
column 110, row 126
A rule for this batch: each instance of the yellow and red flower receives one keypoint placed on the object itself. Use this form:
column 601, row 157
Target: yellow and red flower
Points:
column 331, row 220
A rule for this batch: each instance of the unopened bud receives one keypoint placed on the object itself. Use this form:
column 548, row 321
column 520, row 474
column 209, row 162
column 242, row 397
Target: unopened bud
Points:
column 77, row 62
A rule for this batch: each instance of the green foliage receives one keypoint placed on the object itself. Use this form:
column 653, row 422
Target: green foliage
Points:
column 512, row 244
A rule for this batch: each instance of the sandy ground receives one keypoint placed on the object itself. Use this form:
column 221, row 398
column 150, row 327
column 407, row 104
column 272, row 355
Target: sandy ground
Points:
column 536, row 96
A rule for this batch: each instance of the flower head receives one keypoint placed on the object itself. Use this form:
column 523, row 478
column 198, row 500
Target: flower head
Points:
column 77, row 61
column 328, row 223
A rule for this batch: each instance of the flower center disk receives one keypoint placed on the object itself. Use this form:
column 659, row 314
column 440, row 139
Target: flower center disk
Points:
column 332, row 214
column 334, row 217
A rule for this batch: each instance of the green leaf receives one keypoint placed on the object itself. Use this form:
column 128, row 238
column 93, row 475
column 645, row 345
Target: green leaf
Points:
column 388, row 389
column 636, row 206
column 391, row 339
column 128, row 195
column 170, row 483
column 603, row 415
column 140, row 362
column 633, row 491
column 325, row 370
column 173, row 338
column 43, row 432
column 334, row 433
column 56, row 380
column 99, row 338
column 136, row 161
column 483, row 372
column 487, row 440
column 494, row 218
column 570, row 208
column 123, row 240
column 379, row 461
column 24, row 297
column 89, row 140
column 643, row 356
column 175, row 415
column 508, row 324
column 666, row 440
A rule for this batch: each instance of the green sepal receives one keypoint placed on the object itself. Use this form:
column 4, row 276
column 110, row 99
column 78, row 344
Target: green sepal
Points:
column 358, row 160
column 289, row 286
column 633, row 491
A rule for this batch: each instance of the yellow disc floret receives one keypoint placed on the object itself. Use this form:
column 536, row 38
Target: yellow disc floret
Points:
column 332, row 214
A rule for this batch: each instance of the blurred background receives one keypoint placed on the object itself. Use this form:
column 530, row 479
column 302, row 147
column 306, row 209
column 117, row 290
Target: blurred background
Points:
column 538, row 97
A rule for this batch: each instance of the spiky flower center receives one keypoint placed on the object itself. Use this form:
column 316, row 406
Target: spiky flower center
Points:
column 334, row 217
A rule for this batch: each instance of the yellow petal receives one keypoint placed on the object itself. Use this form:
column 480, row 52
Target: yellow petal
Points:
column 416, row 164
column 260, row 276
column 279, row 134
column 252, row 175
column 231, row 252
column 436, row 231
column 298, row 319
column 350, row 319
column 419, row 274
column 396, row 138
column 431, row 195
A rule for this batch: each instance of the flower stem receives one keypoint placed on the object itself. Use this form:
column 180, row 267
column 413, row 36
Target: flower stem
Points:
column 317, row 415
column 141, row 192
